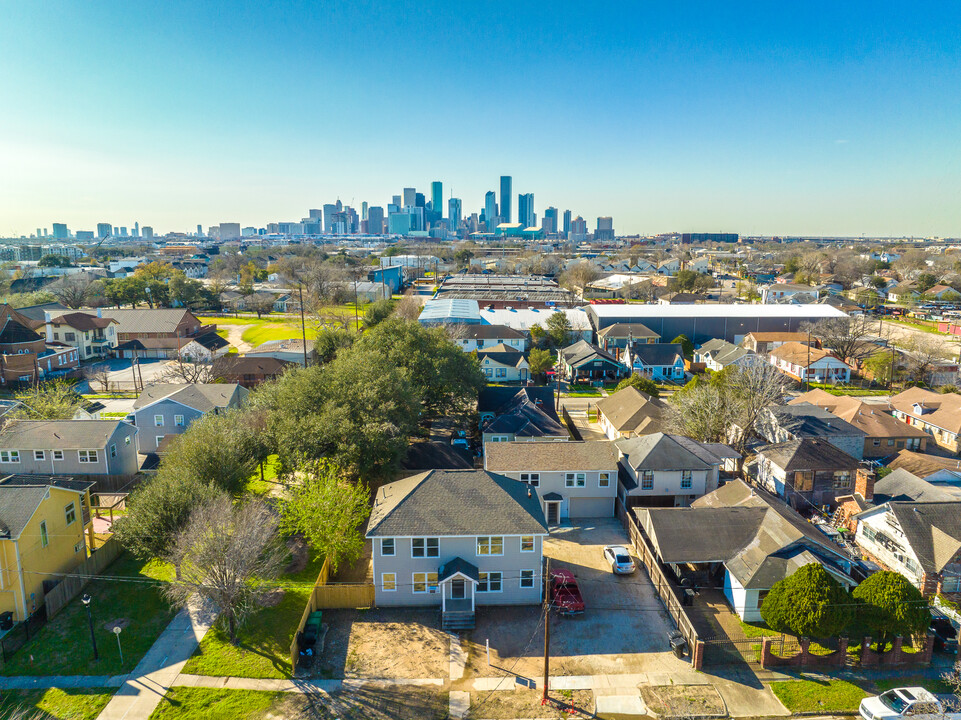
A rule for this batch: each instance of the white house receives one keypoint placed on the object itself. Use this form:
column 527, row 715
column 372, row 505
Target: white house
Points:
column 478, row 337
column 804, row 362
column 501, row 363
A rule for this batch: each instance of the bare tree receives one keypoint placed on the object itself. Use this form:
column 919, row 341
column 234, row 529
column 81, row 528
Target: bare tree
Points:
column 580, row 275
column 849, row 338
column 753, row 388
column 224, row 552
column 408, row 307
column 702, row 413
column 952, row 679
column 261, row 303
column 182, row 371
column 74, row 291
column 921, row 355
column 99, row 374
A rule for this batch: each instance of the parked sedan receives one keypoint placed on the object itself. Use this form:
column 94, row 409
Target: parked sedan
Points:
column 620, row 559
column 565, row 595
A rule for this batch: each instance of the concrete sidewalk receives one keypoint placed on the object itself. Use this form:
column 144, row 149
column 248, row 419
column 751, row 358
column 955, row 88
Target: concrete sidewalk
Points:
column 145, row 687
column 298, row 686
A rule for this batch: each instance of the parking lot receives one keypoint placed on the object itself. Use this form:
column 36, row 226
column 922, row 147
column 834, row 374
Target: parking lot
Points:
column 624, row 628
column 121, row 374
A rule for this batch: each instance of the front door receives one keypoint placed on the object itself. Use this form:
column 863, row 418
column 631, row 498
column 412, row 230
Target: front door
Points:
column 553, row 513
column 457, row 590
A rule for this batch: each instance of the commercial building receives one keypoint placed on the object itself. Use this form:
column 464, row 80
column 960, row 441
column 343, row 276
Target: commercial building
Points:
column 375, row 220
column 525, row 209
column 60, row 231
column 437, row 197
column 709, row 237
column 505, row 210
column 605, row 229
column 701, row 323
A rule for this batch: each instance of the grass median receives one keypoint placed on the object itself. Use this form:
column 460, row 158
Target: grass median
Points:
column 73, row 704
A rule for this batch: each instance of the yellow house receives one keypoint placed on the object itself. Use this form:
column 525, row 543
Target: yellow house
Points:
column 43, row 523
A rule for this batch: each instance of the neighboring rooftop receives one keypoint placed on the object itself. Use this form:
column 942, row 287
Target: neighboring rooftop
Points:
column 590, row 455
column 631, row 411
column 202, row 397
column 807, row 454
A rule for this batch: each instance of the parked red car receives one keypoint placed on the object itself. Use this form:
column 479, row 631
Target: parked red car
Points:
column 565, row 595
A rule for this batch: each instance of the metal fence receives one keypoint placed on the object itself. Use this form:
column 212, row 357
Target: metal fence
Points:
column 662, row 585
column 21, row 633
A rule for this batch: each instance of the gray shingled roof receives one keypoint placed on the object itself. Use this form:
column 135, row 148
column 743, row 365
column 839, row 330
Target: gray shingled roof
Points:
column 65, row 482
column 582, row 352
column 932, row 529
column 60, row 434
column 17, row 506
column 143, row 320
column 660, row 452
column 901, row 485
column 630, row 410
column 589, row 456
column 524, row 417
column 807, row 454
column 627, row 330
column 657, row 354
column 807, row 420
column 202, row 397
column 456, row 502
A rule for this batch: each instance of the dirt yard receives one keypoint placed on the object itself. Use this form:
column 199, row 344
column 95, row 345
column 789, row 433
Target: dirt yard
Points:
column 508, row 704
column 384, row 643
column 367, row 703
column 682, row 701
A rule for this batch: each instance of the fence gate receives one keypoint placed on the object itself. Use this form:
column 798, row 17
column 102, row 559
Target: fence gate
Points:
column 723, row 650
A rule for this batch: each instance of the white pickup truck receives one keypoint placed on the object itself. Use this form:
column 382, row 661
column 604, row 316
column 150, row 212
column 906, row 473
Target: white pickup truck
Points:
column 914, row 702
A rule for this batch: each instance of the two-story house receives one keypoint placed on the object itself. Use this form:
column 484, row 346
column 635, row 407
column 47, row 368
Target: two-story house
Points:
column 457, row 539
column 780, row 423
column 884, row 434
column 45, row 530
column 525, row 414
column 25, row 356
column 937, row 414
column 574, row 479
column 661, row 470
column 170, row 408
column 480, row 337
column 764, row 342
column 618, row 336
column 630, row 412
column 501, row 363
column 806, row 473
column 92, row 336
column 920, row 540
column 69, row 447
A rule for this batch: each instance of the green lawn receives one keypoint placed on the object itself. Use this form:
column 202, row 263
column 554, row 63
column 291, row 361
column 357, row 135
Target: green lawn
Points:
column 183, row 703
column 802, row 696
column 74, row 704
column 263, row 648
column 757, row 630
column 271, row 331
column 62, row 647
column 935, row 685
column 256, row 486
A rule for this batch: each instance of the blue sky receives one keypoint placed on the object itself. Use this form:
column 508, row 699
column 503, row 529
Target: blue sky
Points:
column 784, row 118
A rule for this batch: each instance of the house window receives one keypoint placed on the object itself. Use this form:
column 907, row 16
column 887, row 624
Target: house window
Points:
column 178, row 420
column 44, row 539
column 387, row 546
column 70, row 512
column 159, row 439
column 113, row 450
column 527, row 543
column 604, row 480
column 501, row 372
column 126, row 440
column 527, row 578
column 58, row 454
column 70, row 337
column 9, row 456
column 804, row 480
column 490, row 582
column 532, row 479
column 686, row 477
column 425, row 582
column 647, row 480
column 424, row 547
column 158, row 420
column 87, row 456
column 500, row 438
column 842, row 480
column 575, row 480
column 388, row 582
column 39, row 455
column 78, row 547
column 490, row 545
column 488, row 372
column 877, row 442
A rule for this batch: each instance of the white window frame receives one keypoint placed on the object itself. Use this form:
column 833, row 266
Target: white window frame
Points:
column 10, row 456
column 427, row 547
column 57, row 455
column 603, row 479
column 687, row 479
column 179, row 421
column 527, row 576
column 113, row 450
column 484, row 585
column 644, row 479
column 575, row 480
column 383, row 547
column 424, row 578
column 486, row 543
column 39, row 455
column 533, row 543
column 70, row 513
column 385, row 582
column 81, row 454
column 500, row 438
column 157, row 418
column 532, row 479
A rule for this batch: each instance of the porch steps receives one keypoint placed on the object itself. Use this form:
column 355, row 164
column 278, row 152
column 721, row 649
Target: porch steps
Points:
column 463, row 620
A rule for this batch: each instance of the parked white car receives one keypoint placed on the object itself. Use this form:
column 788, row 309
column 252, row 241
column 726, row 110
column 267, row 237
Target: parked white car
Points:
column 913, row 702
column 620, row 559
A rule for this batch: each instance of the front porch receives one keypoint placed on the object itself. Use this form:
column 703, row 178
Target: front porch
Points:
column 457, row 581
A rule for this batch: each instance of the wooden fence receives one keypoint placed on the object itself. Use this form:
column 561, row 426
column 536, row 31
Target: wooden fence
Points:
column 68, row 587
column 325, row 597
column 571, row 427
column 665, row 591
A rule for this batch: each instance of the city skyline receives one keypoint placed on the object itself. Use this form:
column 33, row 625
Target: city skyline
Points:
column 830, row 120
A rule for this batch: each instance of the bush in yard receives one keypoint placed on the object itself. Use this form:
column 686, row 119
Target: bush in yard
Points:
column 889, row 605
column 808, row 603
column 645, row 385
column 540, row 361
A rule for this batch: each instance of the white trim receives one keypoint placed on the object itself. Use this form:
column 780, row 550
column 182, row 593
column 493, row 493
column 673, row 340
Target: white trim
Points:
column 382, row 583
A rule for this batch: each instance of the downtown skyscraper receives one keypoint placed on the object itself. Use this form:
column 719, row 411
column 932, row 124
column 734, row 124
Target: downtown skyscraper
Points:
column 506, row 190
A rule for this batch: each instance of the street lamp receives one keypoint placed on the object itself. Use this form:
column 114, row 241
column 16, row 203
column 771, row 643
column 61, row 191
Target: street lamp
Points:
column 93, row 639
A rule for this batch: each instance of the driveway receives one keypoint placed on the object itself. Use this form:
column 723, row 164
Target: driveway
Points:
column 121, row 374
column 623, row 630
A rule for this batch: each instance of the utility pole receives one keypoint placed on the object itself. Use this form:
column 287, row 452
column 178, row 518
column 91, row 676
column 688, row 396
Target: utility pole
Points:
column 807, row 370
column 547, row 627
column 303, row 326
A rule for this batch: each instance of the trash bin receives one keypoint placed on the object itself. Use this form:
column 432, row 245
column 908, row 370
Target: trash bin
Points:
column 688, row 597
column 678, row 643
column 6, row 621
